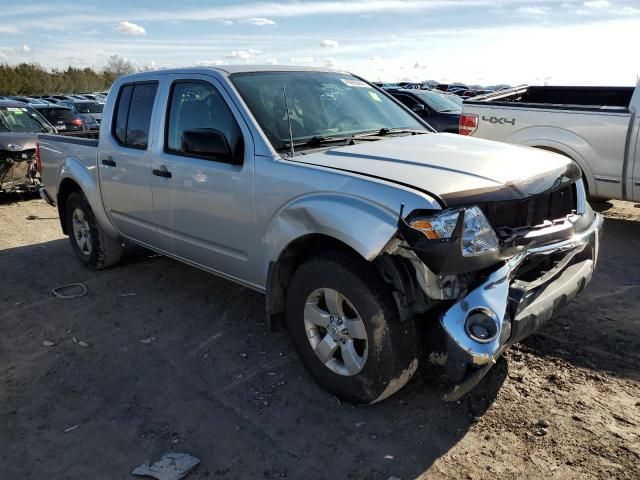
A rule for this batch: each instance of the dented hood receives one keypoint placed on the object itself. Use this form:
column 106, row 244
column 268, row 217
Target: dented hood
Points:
column 458, row 170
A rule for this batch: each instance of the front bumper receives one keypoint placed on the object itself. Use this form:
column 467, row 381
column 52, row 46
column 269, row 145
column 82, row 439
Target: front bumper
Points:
column 520, row 298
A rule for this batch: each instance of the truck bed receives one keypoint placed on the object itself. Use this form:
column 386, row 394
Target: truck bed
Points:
column 57, row 150
column 562, row 98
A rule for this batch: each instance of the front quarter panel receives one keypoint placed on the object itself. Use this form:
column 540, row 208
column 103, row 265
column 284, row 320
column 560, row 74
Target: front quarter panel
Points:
column 300, row 200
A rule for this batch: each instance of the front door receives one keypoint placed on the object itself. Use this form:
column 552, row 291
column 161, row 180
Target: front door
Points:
column 203, row 201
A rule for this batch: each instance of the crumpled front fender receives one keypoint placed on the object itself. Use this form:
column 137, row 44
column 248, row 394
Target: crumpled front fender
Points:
column 364, row 226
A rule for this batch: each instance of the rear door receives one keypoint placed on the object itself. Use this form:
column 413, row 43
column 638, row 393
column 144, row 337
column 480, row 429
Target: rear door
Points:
column 204, row 203
column 124, row 163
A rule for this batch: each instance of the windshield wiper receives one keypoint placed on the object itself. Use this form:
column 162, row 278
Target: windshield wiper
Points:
column 317, row 141
column 391, row 131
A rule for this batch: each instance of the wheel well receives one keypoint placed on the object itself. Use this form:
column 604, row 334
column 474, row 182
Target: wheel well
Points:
column 281, row 271
column 67, row 187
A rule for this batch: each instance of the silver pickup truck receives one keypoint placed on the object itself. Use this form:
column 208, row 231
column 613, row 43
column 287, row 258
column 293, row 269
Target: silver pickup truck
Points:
column 376, row 241
column 596, row 127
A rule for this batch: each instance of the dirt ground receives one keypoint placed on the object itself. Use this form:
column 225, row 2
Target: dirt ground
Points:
column 161, row 357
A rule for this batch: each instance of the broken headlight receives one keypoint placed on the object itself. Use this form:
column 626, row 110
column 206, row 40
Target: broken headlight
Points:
column 477, row 235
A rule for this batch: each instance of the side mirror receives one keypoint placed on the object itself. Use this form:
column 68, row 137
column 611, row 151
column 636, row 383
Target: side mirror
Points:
column 418, row 108
column 207, row 142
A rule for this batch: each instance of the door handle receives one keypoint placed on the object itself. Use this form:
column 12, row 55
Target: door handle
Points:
column 162, row 172
column 109, row 162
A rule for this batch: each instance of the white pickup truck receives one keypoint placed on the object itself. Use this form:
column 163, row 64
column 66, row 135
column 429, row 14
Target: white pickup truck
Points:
column 597, row 127
column 360, row 225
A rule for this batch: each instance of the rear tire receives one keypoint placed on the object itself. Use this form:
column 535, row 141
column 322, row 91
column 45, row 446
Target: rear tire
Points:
column 375, row 355
column 88, row 240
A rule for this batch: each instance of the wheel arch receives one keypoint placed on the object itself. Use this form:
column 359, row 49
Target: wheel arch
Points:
column 292, row 256
column 75, row 176
column 66, row 188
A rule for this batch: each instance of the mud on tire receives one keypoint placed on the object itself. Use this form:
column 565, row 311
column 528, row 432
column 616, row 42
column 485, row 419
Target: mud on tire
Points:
column 391, row 352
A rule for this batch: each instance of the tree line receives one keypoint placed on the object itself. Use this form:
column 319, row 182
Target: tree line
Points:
column 32, row 79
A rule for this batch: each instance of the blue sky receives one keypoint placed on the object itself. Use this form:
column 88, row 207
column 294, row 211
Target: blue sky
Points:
column 473, row 41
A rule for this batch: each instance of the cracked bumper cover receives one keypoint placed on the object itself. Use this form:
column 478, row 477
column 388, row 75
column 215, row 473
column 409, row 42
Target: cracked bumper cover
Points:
column 521, row 305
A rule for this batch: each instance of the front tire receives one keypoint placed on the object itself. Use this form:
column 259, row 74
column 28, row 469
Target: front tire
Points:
column 88, row 240
column 345, row 326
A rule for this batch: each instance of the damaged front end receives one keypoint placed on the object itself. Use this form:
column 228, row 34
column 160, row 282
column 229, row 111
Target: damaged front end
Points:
column 18, row 171
column 492, row 273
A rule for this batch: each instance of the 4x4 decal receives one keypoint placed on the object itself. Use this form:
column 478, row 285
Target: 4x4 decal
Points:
column 499, row 120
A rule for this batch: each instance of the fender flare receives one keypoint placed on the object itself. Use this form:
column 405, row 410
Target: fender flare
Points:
column 359, row 223
column 74, row 169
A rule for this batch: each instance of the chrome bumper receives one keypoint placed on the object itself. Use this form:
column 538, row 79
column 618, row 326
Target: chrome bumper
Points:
column 517, row 307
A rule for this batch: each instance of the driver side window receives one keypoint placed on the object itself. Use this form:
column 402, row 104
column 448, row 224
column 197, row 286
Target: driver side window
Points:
column 196, row 108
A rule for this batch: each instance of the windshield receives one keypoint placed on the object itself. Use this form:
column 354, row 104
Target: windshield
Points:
column 439, row 103
column 89, row 107
column 320, row 105
column 21, row 120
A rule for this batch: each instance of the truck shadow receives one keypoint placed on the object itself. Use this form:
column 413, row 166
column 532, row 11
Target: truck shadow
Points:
column 599, row 329
column 180, row 359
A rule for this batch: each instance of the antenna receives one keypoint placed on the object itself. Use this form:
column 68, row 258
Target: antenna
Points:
column 286, row 104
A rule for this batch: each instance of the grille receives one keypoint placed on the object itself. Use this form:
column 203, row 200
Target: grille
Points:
column 532, row 211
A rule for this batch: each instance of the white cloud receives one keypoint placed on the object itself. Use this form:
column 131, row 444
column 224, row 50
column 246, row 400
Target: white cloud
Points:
column 628, row 11
column 533, row 11
column 2, row 56
column 24, row 49
column 597, row 4
column 211, row 63
column 329, row 43
column 329, row 62
column 128, row 28
column 301, row 60
column 260, row 22
column 271, row 61
column 227, row 23
column 245, row 55
column 8, row 29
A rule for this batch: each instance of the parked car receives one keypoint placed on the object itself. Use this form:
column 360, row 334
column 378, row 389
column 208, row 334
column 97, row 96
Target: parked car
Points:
column 19, row 129
column 58, row 97
column 89, row 107
column 62, row 118
column 321, row 191
column 93, row 96
column 28, row 100
column 597, row 127
column 80, row 108
column 434, row 108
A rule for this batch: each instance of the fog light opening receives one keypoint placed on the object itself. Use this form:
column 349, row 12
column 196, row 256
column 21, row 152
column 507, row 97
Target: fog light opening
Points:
column 482, row 325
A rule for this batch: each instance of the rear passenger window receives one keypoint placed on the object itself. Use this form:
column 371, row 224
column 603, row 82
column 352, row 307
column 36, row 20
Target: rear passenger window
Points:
column 122, row 111
column 133, row 114
column 199, row 107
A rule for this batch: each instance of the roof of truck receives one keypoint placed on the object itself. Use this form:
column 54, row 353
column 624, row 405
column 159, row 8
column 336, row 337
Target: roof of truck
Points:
column 230, row 69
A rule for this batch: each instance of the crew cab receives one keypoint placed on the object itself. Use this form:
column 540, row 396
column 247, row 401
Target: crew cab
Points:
column 596, row 127
column 360, row 225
